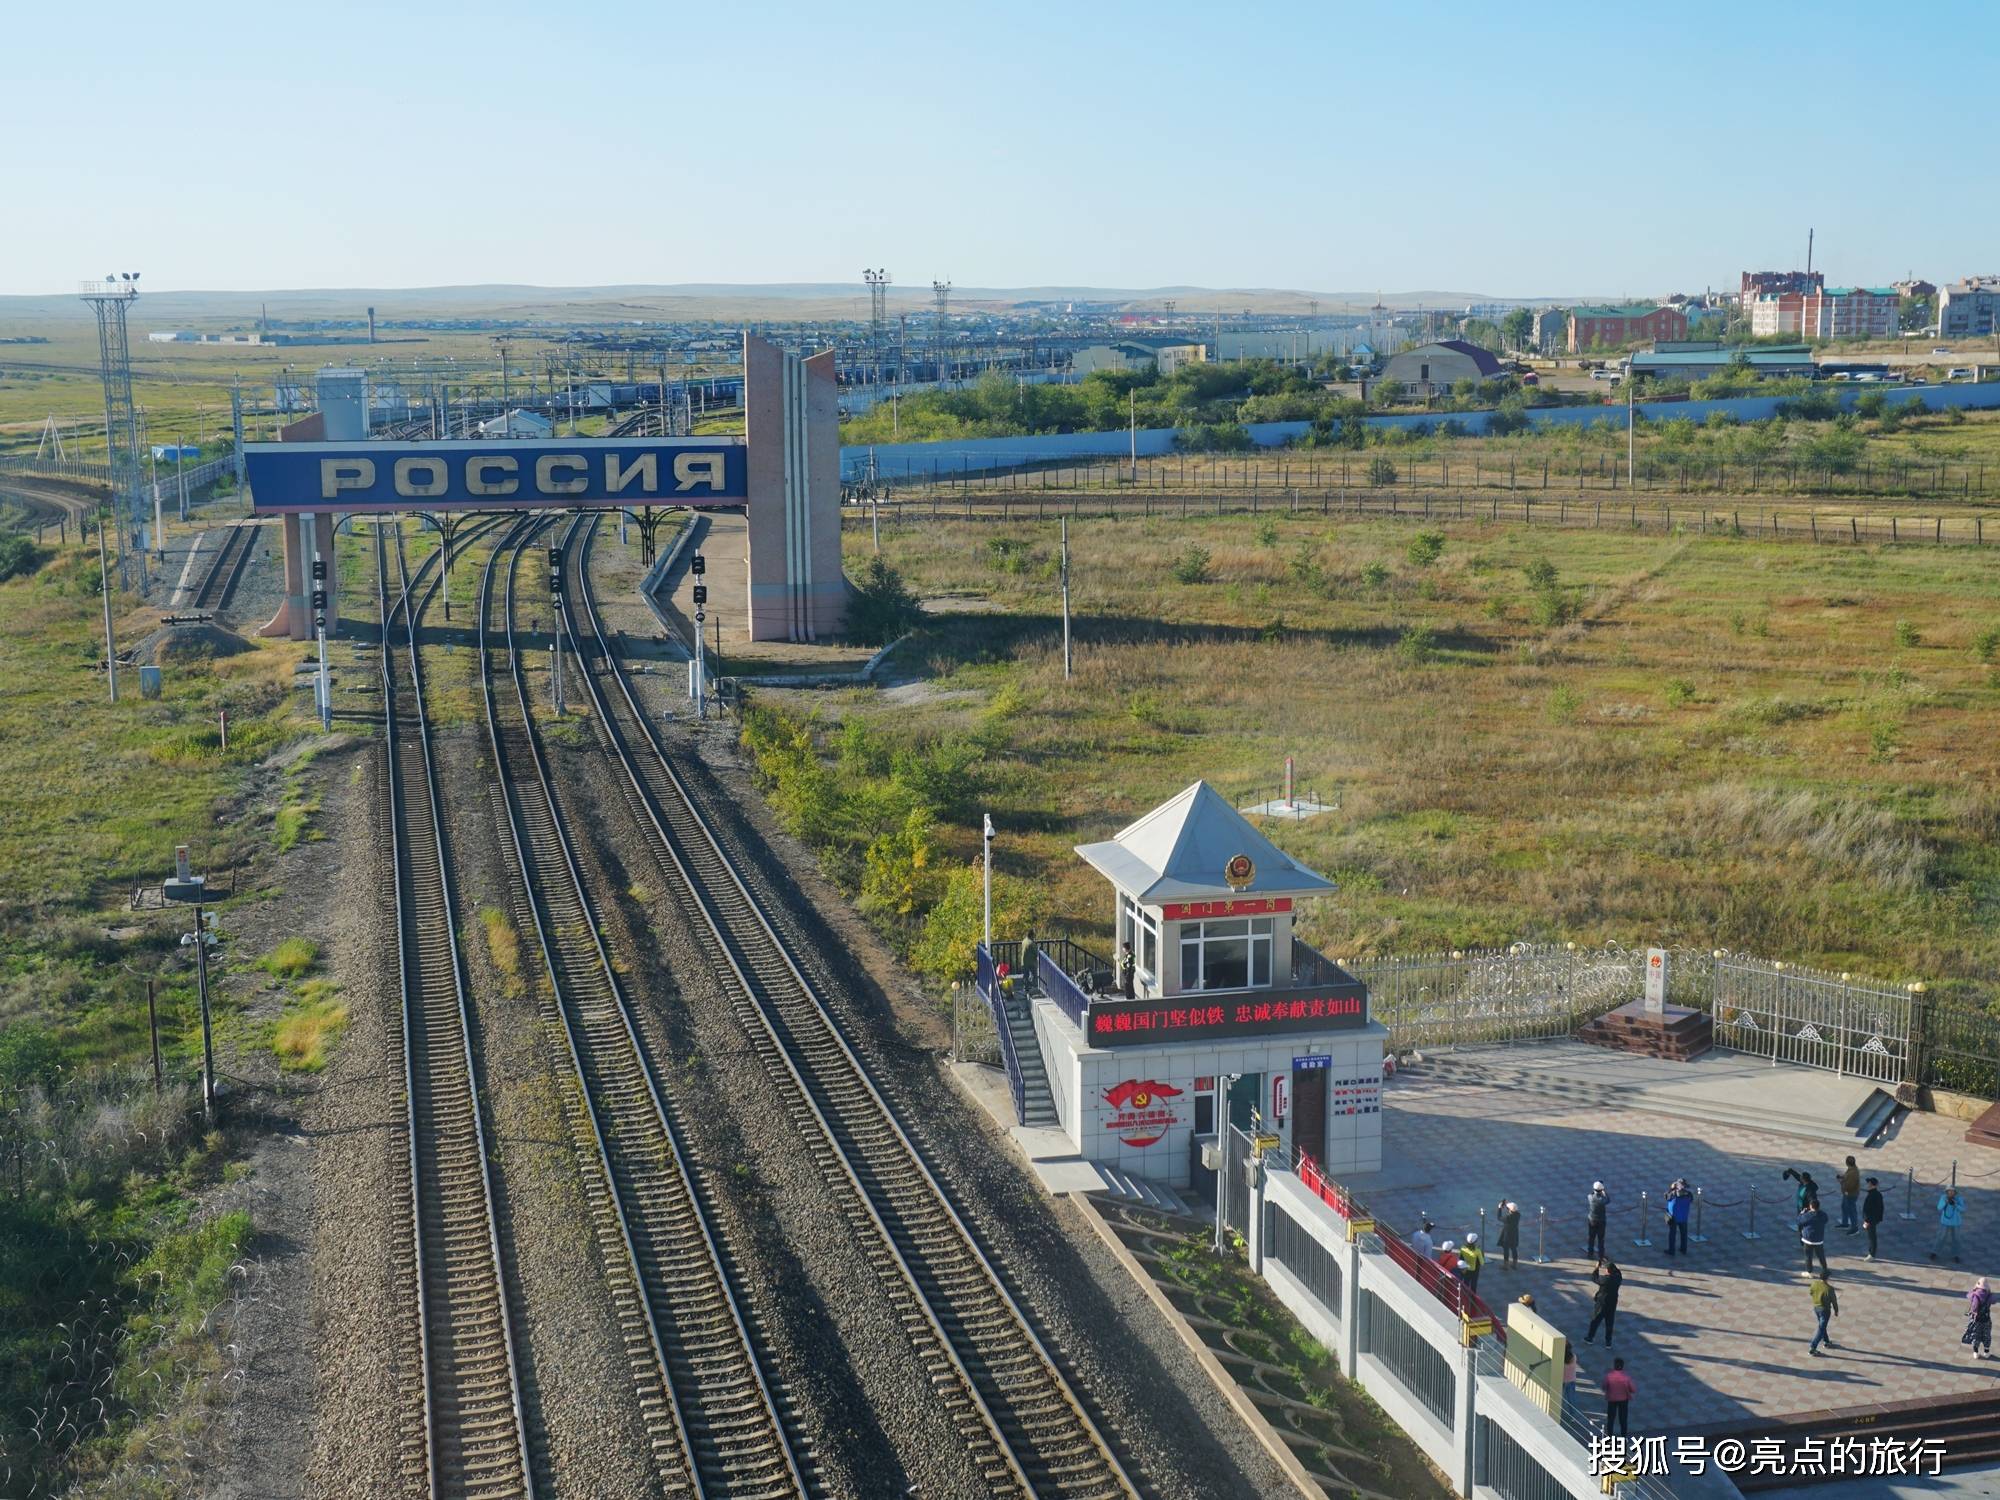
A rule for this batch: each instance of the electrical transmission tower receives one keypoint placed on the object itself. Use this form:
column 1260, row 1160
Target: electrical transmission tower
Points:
column 109, row 299
column 878, row 315
column 941, row 298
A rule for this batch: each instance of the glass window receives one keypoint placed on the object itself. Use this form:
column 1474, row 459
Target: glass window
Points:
column 1226, row 955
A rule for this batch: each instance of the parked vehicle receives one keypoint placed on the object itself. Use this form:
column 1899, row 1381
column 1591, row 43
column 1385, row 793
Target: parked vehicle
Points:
column 1959, row 372
column 1940, row 349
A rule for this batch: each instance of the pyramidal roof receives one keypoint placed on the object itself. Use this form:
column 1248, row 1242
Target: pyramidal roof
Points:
column 1178, row 852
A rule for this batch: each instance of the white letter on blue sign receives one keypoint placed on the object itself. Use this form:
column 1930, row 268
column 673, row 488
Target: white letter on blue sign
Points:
column 407, row 485
column 697, row 470
column 476, row 481
column 646, row 468
column 546, row 482
column 337, row 474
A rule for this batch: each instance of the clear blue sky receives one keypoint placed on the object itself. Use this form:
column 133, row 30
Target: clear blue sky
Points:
column 1518, row 150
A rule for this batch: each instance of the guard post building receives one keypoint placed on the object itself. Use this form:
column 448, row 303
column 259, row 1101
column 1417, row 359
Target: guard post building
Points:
column 1225, row 1001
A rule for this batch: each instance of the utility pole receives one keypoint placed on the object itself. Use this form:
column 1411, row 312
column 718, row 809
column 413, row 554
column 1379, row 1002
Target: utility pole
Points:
column 1065, row 597
column 1132, row 427
column 104, row 582
column 181, row 481
column 1631, row 442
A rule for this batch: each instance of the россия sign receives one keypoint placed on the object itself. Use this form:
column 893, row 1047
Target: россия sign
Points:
column 547, row 473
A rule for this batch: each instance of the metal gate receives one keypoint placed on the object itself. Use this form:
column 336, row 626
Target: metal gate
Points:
column 1817, row 1020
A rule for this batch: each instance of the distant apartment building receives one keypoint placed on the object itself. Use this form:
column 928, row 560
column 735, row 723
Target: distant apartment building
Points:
column 1914, row 288
column 1779, row 283
column 1968, row 307
column 1608, row 327
column 1842, row 312
column 1550, row 330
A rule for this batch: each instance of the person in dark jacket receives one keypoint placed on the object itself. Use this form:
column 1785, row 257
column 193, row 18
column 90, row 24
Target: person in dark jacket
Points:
column 1812, row 1235
column 1808, row 1189
column 1595, row 1207
column 1871, row 1214
column 1510, row 1233
column 1604, row 1305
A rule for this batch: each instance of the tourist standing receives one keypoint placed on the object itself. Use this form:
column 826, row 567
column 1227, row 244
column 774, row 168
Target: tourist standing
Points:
column 1510, row 1233
column 1979, row 1320
column 1595, row 1207
column 1871, row 1214
column 1680, row 1206
column 1570, row 1369
column 1604, row 1305
column 1826, row 1306
column 1812, row 1235
column 1951, row 1214
column 1618, row 1390
column 1421, row 1241
column 1808, row 1189
column 1471, row 1259
column 1850, row 1194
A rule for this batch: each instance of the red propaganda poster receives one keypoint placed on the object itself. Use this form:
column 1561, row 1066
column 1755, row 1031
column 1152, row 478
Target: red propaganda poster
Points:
column 1140, row 1111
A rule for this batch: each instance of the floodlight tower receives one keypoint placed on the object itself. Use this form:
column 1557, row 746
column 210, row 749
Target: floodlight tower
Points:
column 941, row 300
column 109, row 299
column 878, row 314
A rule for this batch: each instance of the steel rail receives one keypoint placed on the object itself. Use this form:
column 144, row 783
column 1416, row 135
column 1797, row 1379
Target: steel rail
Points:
column 226, row 568
column 475, row 1437
column 1017, row 1410
column 726, row 1433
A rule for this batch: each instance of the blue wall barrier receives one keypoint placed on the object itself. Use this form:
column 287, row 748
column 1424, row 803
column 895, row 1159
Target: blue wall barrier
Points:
column 977, row 455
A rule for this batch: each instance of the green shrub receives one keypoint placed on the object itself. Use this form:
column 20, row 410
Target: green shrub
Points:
column 1680, row 692
column 882, row 608
column 30, row 1057
column 1267, row 532
column 1381, row 471
column 1908, row 634
column 1419, row 643
column 1192, row 564
column 1375, row 575
column 1986, row 644
column 1426, row 547
column 1563, row 704
column 18, row 555
column 1551, row 607
column 1541, row 573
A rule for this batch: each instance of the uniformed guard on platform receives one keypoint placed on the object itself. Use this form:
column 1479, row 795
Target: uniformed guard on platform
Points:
column 1128, row 970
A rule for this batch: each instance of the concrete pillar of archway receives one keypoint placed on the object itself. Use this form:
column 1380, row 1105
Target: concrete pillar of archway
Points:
column 798, row 591
column 342, row 418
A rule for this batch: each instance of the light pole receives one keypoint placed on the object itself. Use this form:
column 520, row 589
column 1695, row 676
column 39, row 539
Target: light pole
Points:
column 1065, row 598
column 986, row 881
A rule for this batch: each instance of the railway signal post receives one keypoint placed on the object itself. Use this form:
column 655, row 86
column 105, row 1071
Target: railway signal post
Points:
column 322, row 684
column 555, row 624
column 699, row 567
column 186, row 886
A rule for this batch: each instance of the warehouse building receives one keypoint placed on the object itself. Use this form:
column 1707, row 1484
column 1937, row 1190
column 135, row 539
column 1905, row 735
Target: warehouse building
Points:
column 1699, row 359
column 1433, row 369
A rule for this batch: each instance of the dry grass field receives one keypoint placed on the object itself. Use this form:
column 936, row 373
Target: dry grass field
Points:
column 1571, row 736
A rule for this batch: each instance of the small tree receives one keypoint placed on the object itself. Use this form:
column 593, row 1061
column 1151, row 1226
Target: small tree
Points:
column 882, row 608
column 1426, row 547
column 1192, row 565
column 945, row 950
column 1381, row 471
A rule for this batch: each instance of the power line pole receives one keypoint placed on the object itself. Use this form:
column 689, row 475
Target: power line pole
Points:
column 1065, row 598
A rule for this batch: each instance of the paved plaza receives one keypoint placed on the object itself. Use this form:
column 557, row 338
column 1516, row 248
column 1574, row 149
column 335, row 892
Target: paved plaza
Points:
column 1720, row 1334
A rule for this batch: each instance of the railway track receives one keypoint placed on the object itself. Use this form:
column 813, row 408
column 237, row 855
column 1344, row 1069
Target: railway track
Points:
column 473, row 1441
column 713, row 1421
column 225, row 569
column 1019, row 1417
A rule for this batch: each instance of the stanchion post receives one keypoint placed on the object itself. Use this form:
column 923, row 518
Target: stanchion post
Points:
column 1541, row 1234
column 1643, row 1240
column 1697, row 1238
column 1751, row 1233
column 1909, row 1194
